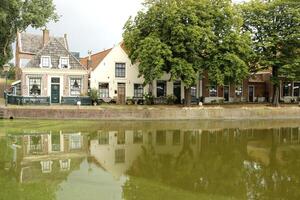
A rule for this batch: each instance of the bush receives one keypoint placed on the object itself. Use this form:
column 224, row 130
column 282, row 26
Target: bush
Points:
column 171, row 99
column 148, row 99
column 94, row 95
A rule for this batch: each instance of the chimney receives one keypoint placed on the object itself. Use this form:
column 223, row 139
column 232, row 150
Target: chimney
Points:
column 46, row 36
column 89, row 62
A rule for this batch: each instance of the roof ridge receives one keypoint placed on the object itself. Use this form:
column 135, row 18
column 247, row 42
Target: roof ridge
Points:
column 98, row 53
column 70, row 53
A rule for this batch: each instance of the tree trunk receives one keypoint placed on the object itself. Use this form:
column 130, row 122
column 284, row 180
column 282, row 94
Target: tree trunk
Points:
column 187, row 96
column 150, row 89
column 275, row 86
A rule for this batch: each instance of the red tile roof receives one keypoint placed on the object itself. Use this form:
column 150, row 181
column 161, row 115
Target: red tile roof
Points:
column 95, row 59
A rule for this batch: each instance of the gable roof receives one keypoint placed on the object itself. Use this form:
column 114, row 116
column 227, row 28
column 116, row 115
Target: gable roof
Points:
column 96, row 59
column 31, row 43
column 55, row 49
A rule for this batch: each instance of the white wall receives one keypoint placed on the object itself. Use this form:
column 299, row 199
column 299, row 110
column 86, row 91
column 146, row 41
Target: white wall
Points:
column 105, row 73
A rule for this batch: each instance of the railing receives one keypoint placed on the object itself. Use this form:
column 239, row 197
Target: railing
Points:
column 74, row 100
column 35, row 148
column 21, row 100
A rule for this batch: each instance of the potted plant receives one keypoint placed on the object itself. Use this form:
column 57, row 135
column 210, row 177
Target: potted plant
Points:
column 93, row 94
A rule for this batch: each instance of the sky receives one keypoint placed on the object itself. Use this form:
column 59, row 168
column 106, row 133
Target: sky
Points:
column 92, row 24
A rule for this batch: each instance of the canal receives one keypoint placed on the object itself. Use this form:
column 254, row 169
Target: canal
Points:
column 149, row 160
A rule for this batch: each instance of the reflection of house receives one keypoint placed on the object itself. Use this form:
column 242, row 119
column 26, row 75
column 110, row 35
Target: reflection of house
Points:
column 278, row 143
column 46, row 68
column 50, row 153
column 117, row 150
column 43, row 144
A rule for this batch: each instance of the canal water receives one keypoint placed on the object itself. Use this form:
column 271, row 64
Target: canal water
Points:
column 216, row 160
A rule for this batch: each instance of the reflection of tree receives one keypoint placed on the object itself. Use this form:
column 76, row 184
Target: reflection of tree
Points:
column 11, row 189
column 217, row 171
column 276, row 180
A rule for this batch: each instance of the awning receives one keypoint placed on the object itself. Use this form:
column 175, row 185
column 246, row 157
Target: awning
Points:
column 16, row 82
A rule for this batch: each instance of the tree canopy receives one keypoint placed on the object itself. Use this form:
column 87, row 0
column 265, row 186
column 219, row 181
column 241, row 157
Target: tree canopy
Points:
column 17, row 15
column 275, row 31
column 186, row 38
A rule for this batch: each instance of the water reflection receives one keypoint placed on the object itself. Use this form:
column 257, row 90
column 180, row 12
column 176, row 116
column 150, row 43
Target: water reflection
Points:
column 152, row 164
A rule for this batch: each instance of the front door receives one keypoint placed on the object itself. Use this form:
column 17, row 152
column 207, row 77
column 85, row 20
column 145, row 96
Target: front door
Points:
column 121, row 93
column 251, row 93
column 55, row 93
column 55, row 89
column 177, row 91
column 226, row 93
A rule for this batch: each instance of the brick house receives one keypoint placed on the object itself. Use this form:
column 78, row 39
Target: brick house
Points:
column 46, row 68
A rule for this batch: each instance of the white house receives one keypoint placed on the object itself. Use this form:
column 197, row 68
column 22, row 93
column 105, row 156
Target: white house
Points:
column 113, row 75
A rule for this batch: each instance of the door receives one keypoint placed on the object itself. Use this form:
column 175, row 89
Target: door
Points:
column 226, row 93
column 177, row 91
column 251, row 93
column 121, row 93
column 55, row 93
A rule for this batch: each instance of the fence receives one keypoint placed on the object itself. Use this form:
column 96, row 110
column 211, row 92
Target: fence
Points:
column 21, row 100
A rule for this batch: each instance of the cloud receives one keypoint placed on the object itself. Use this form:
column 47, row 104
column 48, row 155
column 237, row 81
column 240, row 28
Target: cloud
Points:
column 92, row 24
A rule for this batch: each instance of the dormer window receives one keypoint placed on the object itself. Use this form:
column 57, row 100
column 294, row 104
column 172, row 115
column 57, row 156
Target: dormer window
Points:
column 45, row 62
column 64, row 63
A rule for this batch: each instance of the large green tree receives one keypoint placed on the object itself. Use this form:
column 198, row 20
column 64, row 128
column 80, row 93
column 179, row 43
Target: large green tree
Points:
column 275, row 28
column 186, row 38
column 17, row 15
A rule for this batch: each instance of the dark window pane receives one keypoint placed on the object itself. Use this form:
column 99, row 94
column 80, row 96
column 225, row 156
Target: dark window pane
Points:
column 138, row 90
column 161, row 137
column 120, row 156
column 120, row 70
column 161, row 88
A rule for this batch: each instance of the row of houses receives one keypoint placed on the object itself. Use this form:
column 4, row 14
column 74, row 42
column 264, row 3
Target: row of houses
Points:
column 47, row 68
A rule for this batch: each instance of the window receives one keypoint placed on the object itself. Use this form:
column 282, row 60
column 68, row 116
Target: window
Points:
column 138, row 90
column 161, row 137
column 46, row 62
column 64, row 62
column 137, row 137
column 120, row 70
column 104, row 90
column 103, row 138
column 287, row 89
column 121, row 137
column 75, row 86
column 65, row 165
column 120, row 156
column 297, row 89
column 46, row 166
column 161, row 89
column 212, row 90
column 34, row 86
column 75, row 142
column 176, row 137
column 194, row 91
column 238, row 90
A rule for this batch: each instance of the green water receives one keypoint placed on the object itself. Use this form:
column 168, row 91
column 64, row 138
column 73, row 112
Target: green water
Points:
column 149, row 160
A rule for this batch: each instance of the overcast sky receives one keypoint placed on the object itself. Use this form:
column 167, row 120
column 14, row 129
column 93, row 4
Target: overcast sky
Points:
column 92, row 24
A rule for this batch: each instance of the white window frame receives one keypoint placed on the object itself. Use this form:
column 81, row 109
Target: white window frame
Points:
column 41, row 62
column 60, row 62
column 70, row 86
